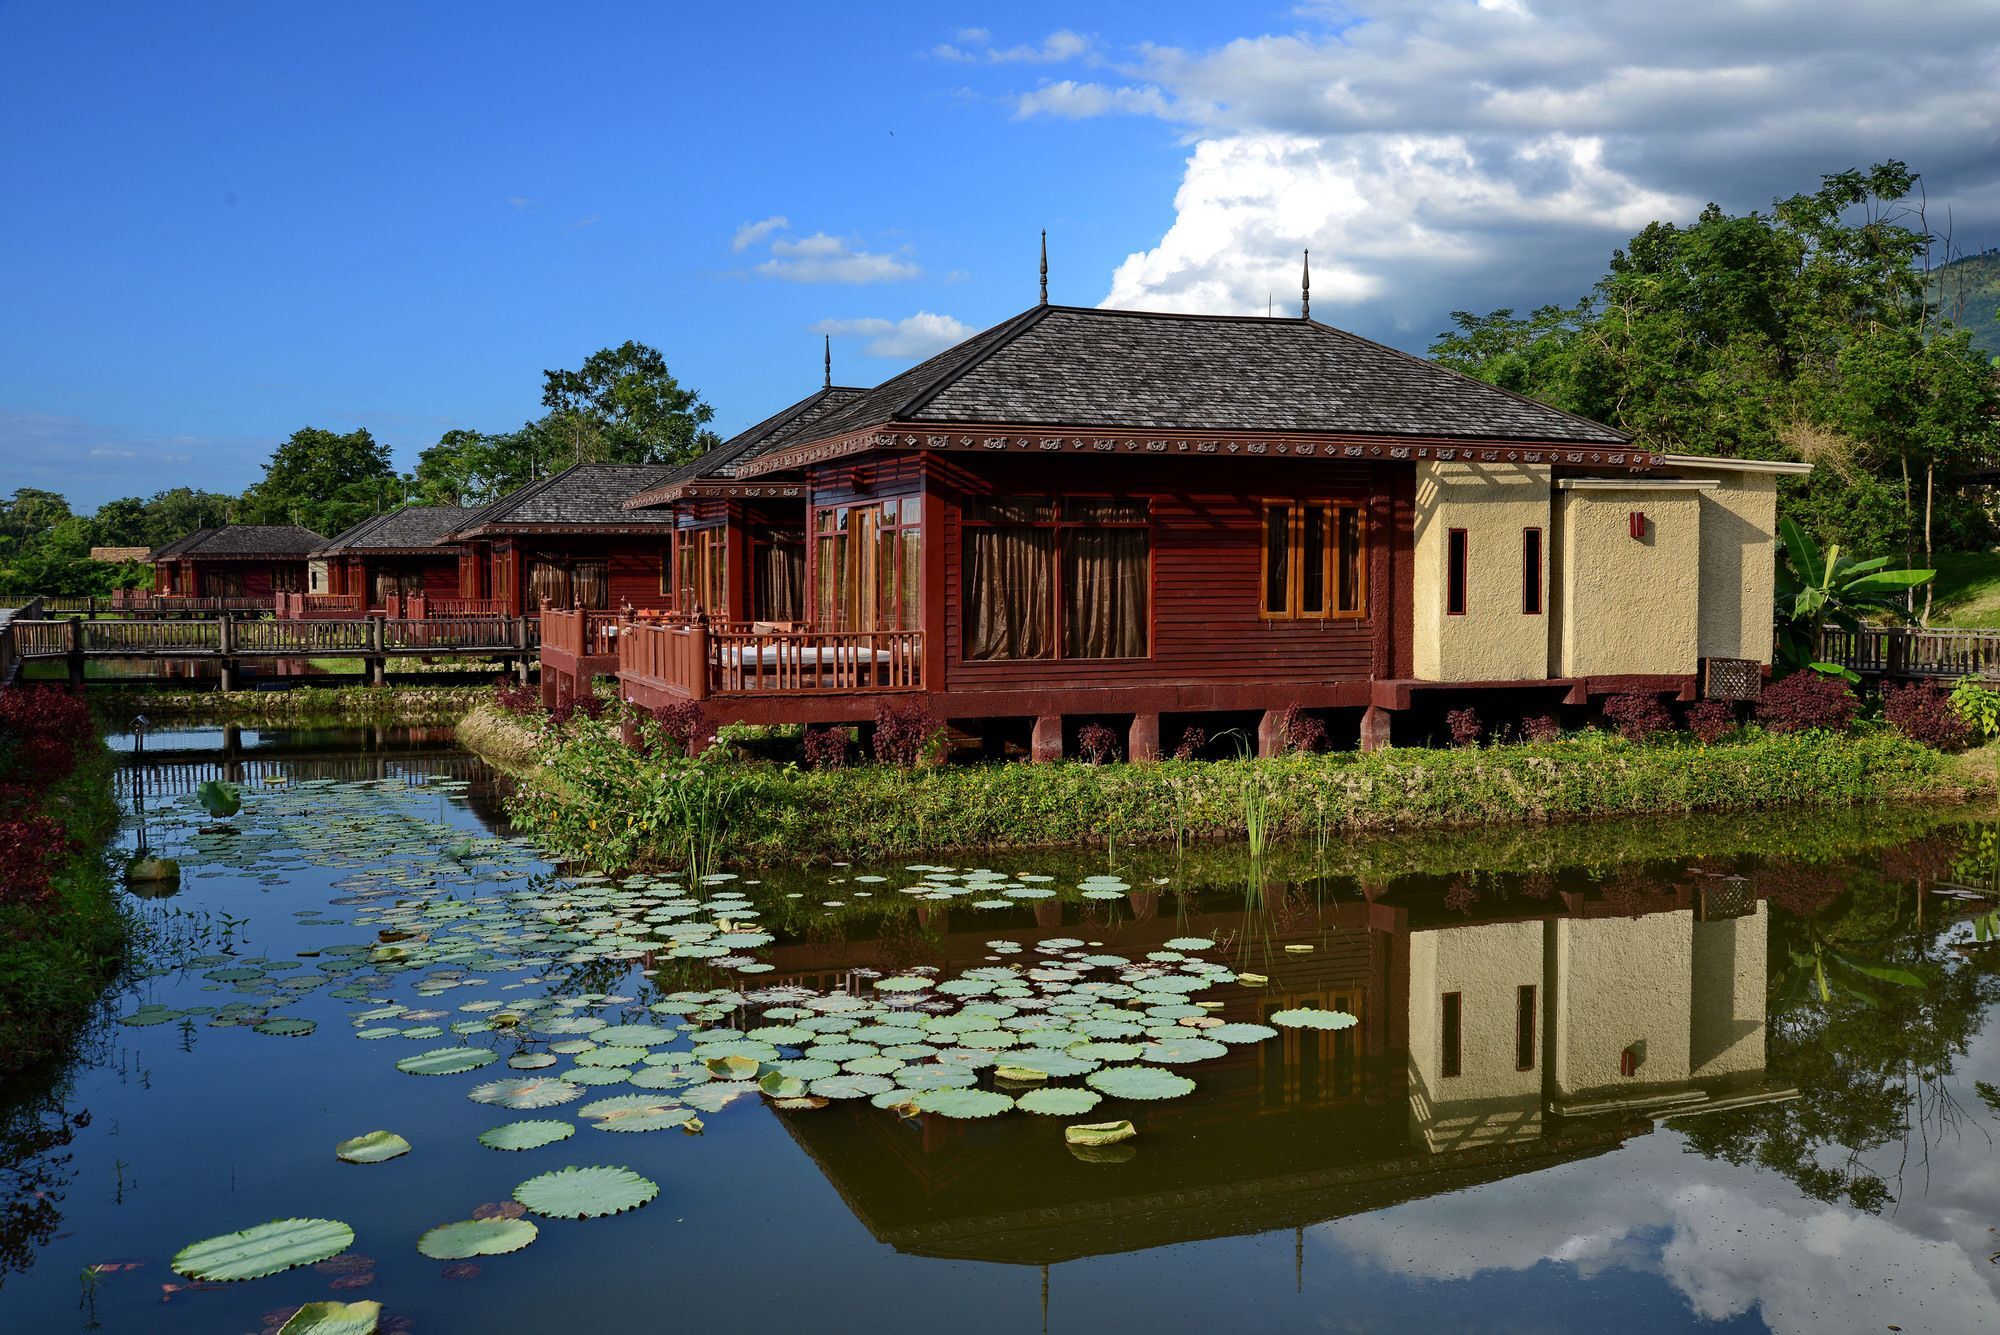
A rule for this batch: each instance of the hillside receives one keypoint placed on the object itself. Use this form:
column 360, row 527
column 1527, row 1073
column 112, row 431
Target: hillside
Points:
column 1971, row 288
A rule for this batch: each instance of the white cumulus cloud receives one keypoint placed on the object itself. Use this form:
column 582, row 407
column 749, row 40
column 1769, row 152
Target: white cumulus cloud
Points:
column 909, row 339
column 821, row 258
column 750, row 233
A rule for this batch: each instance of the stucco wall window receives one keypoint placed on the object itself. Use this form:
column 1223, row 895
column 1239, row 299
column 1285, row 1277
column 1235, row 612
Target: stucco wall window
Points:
column 1531, row 571
column 1455, row 557
column 1314, row 560
column 1524, row 1028
column 1450, row 1034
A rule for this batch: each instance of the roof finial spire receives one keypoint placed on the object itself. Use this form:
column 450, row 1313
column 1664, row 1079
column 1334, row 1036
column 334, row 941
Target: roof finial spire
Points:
column 1045, row 266
column 1306, row 288
column 829, row 361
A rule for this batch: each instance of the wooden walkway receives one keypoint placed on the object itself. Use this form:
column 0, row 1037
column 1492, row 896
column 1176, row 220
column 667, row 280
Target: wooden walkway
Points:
column 229, row 642
column 1905, row 653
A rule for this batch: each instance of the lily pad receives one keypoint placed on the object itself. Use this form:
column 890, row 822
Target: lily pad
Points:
column 1311, row 1017
column 334, row 1318
column 476, row 1237
column 585, row 1193
column 286, row 1026
column 374, row 1147
column 540, row 1091
column 1139, row 1082
column 1058, row 1101
column 963, row 1102
column 448, row 1061
column 1098, row 1133
column 733, row 1068
column 267, row 1249
column 635, row 1112
column 1240, row 1033
column 528, row 1135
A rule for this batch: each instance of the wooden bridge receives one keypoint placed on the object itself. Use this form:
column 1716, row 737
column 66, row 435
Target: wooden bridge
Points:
column 229, row 642
column 1899, row 653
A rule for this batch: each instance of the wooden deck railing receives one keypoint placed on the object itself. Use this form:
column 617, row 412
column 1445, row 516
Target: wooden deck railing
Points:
column 698, row 661
column 1897, row 651
column 580, row 633
column 434, row 634
column 465, row 607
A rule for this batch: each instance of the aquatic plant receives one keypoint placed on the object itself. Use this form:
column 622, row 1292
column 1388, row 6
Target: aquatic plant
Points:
column 263, row 1250
column 219, row 798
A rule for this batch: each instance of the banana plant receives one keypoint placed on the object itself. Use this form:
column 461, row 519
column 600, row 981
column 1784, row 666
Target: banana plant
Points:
column 1819, row 589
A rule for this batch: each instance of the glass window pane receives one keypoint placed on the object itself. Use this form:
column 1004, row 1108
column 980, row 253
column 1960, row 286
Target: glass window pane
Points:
column 1350, row 553
column 1103, row 510
column 1009, row 593
column 1312, row 561
column 1277, row 558
column 912, row 566
column 1105, row 593
column 1010, row 510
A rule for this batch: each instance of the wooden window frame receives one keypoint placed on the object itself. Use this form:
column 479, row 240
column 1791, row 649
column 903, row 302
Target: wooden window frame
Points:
column 1457, row 572
column 1451, row 1035
column 705, row 542
column 1526, row 1014
column 1059, row 603
column 1295, row 528
column 1532, row 570
column 817, row 539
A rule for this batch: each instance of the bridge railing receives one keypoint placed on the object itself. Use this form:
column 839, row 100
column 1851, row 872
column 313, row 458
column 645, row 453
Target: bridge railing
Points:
column 1902, row 651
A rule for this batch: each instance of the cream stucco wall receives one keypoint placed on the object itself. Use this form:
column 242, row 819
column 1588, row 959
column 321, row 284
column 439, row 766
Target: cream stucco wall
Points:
column 1726, row 1029
column 1489, row 1100
column 1739, row 533
column 1627, row 605
column 1620, row 982
column 1494, row 640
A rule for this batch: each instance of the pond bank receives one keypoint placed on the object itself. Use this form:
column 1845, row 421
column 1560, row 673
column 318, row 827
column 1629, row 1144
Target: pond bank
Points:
column 352, row 704
column 63, row 933
column 588, row 796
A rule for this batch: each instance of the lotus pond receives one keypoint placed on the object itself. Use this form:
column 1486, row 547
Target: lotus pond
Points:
column 1733, row 1073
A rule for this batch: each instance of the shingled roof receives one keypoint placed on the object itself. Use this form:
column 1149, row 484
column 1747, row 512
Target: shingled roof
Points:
column 1073, row 366
column 582, row 495
column 242, row 542
column 414, row 528
column 794, row 423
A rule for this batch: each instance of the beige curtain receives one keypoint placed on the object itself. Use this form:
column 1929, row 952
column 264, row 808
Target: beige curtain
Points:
column 781, row 581
column 548, row 580
column 1105, row 593
column 592, row 585
column 1008, row 594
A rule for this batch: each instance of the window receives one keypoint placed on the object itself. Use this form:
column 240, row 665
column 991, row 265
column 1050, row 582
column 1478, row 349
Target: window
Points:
column 568, row 584
column 1531, row 571
column 1048, row 579
column 701, row 570
column 869, row 559
column 1449, row 1035
column 1314, row 560
column 1454, row 573
column 1524, row 1029
column 778, row 565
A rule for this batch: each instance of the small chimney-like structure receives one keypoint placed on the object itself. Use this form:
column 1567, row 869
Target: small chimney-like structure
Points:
column 1306, row 288
column 1045, row 266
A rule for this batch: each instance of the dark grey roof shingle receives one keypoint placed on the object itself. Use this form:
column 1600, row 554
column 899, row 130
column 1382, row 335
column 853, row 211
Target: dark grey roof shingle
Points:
column 792, row 423
column 413, row 526
column 580, row 494
column 276, row 540
column 1078, row 366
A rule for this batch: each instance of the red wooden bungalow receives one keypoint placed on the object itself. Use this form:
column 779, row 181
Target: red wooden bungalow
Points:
column 1151, row 520
column 237, row 561
column 394, row 561
column 567, row 540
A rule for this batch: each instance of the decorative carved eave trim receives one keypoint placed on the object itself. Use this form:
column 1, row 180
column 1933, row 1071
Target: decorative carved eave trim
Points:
column 925, row 437
column 490, row 531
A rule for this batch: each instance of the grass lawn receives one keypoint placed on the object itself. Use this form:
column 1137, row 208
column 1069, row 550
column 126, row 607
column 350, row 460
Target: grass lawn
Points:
column 1968, row 590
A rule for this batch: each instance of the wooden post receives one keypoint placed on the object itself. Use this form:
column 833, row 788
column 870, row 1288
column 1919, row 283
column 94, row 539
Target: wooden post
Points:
column 378, row 663
column 1045, row 747
column 225, row 647
column 75, row 645
column 521, row 650
column 1374, row 728
column 1270, row 741
column 1142, row 742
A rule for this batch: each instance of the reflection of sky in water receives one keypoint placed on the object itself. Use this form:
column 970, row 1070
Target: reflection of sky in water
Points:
column 760, row 1223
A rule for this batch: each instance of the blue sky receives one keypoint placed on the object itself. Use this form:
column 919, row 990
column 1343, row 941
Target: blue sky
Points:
column 226, row 221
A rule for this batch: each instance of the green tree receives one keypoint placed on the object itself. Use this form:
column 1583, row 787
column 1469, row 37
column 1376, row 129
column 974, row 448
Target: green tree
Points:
column 623, row 406
column 324, row 480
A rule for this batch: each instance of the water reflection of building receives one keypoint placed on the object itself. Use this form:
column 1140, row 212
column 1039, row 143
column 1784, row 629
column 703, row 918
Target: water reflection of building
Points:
column 1485, row 1049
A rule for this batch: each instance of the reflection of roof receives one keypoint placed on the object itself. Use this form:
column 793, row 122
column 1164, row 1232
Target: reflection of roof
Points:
column 242, row 541
column 1078, row 366
column 779, row 429
column 1235, row 1172
column 583, row 495
column 413, row 528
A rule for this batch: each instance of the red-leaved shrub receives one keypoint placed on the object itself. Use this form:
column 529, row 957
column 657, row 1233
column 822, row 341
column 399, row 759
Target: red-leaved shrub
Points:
column 41, row 731
column 1923, row 713
column 1096, row 743
column 516, row 699
column 1541, row 728
column 1711, row 720
column 1299, row 731
column 685, row 723
column 1637, row 715
column 1193, row 739
column 826, row 748
column 904, row 734
column 1466, row 729
column 30, row 846
column 1807, row 700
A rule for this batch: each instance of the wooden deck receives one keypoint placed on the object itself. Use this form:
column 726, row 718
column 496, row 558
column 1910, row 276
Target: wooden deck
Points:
column 699, row 661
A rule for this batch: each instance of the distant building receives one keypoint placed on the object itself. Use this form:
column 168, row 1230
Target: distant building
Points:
column 237, row 561
column 121, row 555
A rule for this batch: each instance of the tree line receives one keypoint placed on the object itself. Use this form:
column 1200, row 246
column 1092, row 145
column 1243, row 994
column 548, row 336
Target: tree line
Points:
column 622, row 405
